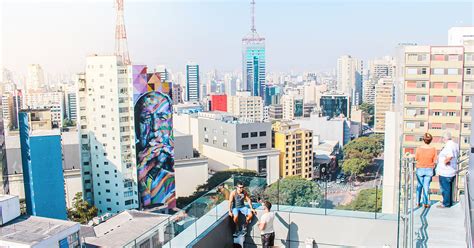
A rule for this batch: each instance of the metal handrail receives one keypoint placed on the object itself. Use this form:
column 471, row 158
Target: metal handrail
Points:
column 468, row 218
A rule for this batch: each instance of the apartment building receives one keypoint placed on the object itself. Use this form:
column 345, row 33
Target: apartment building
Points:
column 438, row 94
column 296, row 149
column 384, row 100
column 244, row 105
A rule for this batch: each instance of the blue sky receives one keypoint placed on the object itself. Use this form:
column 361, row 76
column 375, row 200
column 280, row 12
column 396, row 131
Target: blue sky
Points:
column 300, row 35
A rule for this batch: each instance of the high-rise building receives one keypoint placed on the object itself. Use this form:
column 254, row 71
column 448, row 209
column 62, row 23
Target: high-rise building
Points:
column 349, row 78
column 12, row 103
column 107, row 134
column 35, row 77
column 48, row 100
column 163, row 72
column 273, row 94
column 43, row 177
column 333, row 105
column 438, row 94
column 253, row 60
column 458, row 35
column 377, row 69
column 384, row 100
column 219, row 102
column 71, row 106
column 296, row 149
column 192, row 83
column 292, row 106
column 244, row 105
column 177, row 94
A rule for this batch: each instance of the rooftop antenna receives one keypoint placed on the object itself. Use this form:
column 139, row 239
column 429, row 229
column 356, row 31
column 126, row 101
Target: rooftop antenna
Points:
column 121, row 46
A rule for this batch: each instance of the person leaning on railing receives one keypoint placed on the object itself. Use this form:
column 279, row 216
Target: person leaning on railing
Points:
column 425, row 157
column 446, row 169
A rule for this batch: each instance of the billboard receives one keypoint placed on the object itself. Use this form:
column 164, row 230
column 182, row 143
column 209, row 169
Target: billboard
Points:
column 154, row 138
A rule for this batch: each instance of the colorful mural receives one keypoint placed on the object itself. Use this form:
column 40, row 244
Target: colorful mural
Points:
column 154, row 138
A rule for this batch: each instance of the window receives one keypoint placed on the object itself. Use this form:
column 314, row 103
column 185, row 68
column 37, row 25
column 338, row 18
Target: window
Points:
column 128, row 202
column 107, row 181
column 450, row 113
column 468, row 71
column 263, row 134
column 438, row 57
column 253, row 134
column 423, row 71
column 206, row 140
column 453, row 71
column 254, row 146
column 245, row 147
column 263, row 145
column 453, row 57
column 245, row 135
column 438, row 71
column 412, row 71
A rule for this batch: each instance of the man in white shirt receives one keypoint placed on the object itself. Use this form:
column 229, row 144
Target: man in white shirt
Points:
column 446, row 169
column 266, row 226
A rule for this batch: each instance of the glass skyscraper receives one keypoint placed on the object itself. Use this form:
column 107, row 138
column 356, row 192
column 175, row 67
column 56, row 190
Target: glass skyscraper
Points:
column 253, row 61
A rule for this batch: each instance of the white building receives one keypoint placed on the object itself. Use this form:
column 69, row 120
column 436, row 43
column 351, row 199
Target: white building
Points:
column 47, row 100
column 107, row 134
column 192, row 83
column 349, row 77
column 243, row 105
column 337, row 129
column 458, row 35
column 35, row 77
column 377, row 69
column 231, row 143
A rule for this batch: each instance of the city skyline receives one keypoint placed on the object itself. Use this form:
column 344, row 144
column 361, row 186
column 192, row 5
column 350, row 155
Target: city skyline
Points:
column 61, row 47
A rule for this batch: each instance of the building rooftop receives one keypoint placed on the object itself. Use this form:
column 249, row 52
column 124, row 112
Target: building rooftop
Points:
column 30, row 230
column 40, row 132
column 122, row 228
column 6, row 197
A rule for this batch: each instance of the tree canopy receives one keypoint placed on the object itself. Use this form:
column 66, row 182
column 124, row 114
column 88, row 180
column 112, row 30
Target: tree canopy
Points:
column 359, row 153
column 365, row 201
column 294, row 191
column 81, row 211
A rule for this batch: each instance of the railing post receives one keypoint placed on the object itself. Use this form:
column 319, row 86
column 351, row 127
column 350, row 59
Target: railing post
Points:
column 376, row 198
column 278, row 194
column 325, row 194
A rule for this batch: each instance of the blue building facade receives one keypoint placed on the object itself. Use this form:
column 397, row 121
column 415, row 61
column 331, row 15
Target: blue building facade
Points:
column 43, row 176
column 335, row 105
column 253, row 55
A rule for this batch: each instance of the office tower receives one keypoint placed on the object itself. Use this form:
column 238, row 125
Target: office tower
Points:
column 230, row 84
column 11, row 105
column 296, row 149
column 458, row 35
column 244, row 105
column 438, row 94
column 192, row 83
column 253, row 60
column 377, row 69
column 333, row 105
column 273, row 94
column 292, row 106
column 163, row 72
column 71, row 106
column 107, row 134
column 177, row 94
column 349, row 78
column 219, row 102
column 42, row 170
column 384, row 100
column 35, row 77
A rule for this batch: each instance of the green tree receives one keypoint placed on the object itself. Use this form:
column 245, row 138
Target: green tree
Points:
column 365, row 201
column 368, row 110
column 294, row 191
column 355, row 166
column 81, row 212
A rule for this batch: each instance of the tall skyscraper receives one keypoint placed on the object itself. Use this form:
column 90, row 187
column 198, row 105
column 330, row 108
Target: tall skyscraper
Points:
column 349, row 78
column 192, row 83
column 108, row 135
column 253, row 60
column 35, row 77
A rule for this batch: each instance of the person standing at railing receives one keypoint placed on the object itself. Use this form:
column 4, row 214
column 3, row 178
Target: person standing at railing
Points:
column 446, row 169
column 425, row 157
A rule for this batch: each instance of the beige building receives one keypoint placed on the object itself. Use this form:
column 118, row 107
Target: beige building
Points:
column 296, row 149
column 384, row 98
column 438, row 94
column 243, row 105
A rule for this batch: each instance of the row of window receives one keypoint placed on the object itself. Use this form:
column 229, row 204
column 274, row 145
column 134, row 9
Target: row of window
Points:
column 440, row 57
column 436, row 71
column 254, row 146
column 254, row 134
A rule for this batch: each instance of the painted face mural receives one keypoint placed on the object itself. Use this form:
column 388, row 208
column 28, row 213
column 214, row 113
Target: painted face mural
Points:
column 155, row 147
